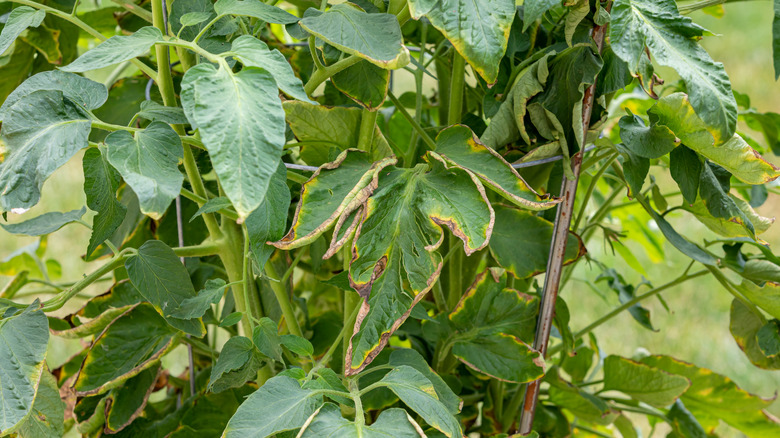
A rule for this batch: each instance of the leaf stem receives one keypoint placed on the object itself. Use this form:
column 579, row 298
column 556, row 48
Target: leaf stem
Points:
column 348, row 322
column 591, row 187
column 282, row 297
column 366, row 134
column 321, row 76
column 419, row 129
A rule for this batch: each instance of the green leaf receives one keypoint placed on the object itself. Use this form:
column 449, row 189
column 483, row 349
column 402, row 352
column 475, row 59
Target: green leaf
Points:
column 16, row 68
column 128, row 401
column 18, row 20
column 412, row 358
column 268, row 222
column 279, row 405
column 266, row 338
column 238, row 362
column 493, row 324
column 418, row 393
column 24, row 338
column 330, row 195
column 130, row 344
column 534, row 9
column 241, row 121
column 41, row 132
column 328, row 422
column 153, row 111
column 731, row 153
column 213, row 205
column 193, row 18
column 46, row 41
column 684, row 245
column 684, row 423
column 578, row 10
column 508, row 124
column 231, row 320
column 78, row 89
column 149, row 163
column 521, row 242
column 615, row 74
column 686, row 167
column 712, row 396
column 101, row 181
column 164, row 281
column 745, row 325
column 397, row 240
column 324, row 131
column 196, row 307
column 374, row 37
column 365, row 83
column 581, row 403
column 652, row 141
column 766, row 297
column 673, row 41
column 478, row 30
column 626, row 292
column 46, row 223
column 255, row 9
column 116, row 49
column 768, row 337
column 297, row 345
column 458, row 146
column 635, row 169
column 254, row 53
column 47, row 416
column 649, row 385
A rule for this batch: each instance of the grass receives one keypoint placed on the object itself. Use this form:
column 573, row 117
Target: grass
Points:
column 696, row 328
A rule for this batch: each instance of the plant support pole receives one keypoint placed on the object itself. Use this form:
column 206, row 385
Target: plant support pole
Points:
column 558, row 249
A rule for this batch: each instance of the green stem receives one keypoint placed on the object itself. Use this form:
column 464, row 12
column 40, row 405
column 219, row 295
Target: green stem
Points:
column 87, row 28
column 280, row 292
column 354, row 391
column 628, row 304
column 512, row 409
column 321, row 76
column 456, row 89
column 367, row 128
column 347, row 328
column 98, row 124
column 419, row 129
column 591, row 187
column 246, row 274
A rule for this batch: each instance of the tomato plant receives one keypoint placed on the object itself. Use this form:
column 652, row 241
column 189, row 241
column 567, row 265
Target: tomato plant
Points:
column 341, row 261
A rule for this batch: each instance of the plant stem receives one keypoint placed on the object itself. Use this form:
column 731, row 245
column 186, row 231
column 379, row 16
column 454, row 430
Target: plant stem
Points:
column 558, row 247
column 591, row 188
column 321, row 76
column 348, row 322
column 72, row 18
column 366, row 134
column 412, row 121
column 458, row 79
column 354, row 391
column 280, row 292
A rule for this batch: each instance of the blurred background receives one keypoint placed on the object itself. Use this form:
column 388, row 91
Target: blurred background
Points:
column 696, row 329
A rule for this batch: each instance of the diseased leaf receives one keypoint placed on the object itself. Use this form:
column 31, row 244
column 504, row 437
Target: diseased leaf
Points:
column 766, row 297
column 24, row 338
column 268, row 221
column 279, row 405
column 684, row 423
column 328, row 422
column 130, row 344
column 458, row 146
column 768, row 337
column 149, row 163
column 238, row 362
column 330, row 195
column 46, row 223
column 581, row 403
column 673, row 41
column 241, row 121
column 712, row 396
column 41, row 132
column 47, row 416
column 745, row 326
column 163, row 280
column 101, row 181
column 116, row 49
column 718, row 202
column 128, row 401
column 494, row 325
column 323, row 133
column 78, row 89
column 255, row 9
column 254, row 53
column 478, row 30
column 643, row 383
column 417, row 392
column 732, row 153
column 18, row 20
column 521, row 242
column 365, row 83
column 387, row 248
column 730, row 226
column 374, row 37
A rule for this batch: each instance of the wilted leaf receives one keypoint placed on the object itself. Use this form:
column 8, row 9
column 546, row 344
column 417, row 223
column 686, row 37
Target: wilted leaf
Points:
column 47, row 416
column 744, row 326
